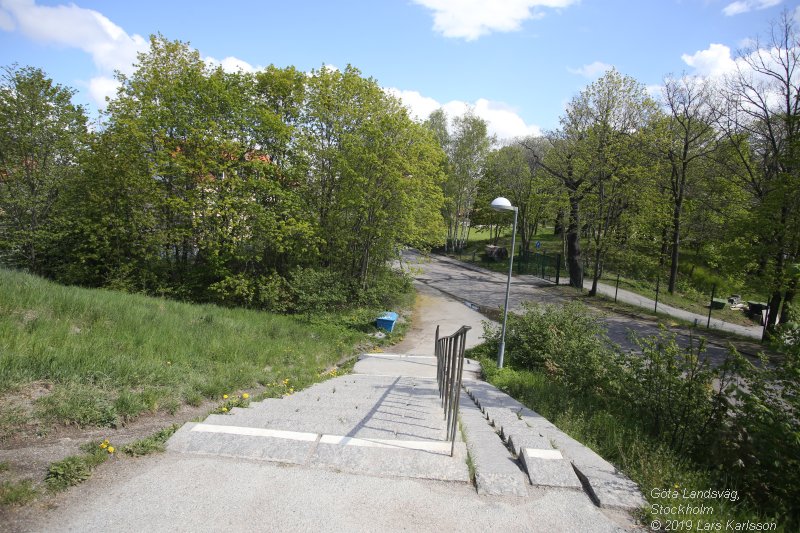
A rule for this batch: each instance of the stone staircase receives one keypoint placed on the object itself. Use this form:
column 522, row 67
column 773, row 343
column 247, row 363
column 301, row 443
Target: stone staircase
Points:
column 377, row 425
column 388, row 424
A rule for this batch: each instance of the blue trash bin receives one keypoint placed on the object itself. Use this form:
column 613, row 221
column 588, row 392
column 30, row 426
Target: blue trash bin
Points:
column 386, row 321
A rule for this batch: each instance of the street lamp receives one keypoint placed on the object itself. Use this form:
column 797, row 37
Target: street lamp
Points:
column 502, row 204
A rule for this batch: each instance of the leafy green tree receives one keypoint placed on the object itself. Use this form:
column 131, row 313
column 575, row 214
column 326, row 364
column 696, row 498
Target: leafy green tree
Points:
column 42, row 135
column 761, row 119
column 373, row 176
column 690, row 137
column 592, row 157
column 222, row 214
column 508, row 173
column 466, row 147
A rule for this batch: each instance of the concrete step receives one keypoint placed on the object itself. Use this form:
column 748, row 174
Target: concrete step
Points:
column 409, row 414
column 496, row 472
column 386, row 457
column 545, row 466
column 436, row 464
column 378, row 426
column 260, row 447
column 607, row 486
column 548, row 468
column 392, row 403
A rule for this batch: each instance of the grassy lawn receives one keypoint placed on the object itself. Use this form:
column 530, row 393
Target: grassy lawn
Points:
column 99, row 358
column 691, row 300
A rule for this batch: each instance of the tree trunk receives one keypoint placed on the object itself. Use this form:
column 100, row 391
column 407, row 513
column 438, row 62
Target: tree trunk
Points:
column 676, row 240
column 574, row 244
column 780, row 264
column 787, row 300
column 595, row 273
column 558, row 227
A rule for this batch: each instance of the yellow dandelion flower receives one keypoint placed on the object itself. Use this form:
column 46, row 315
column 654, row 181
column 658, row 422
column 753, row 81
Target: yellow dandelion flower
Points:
column 104, row 445
column 224, row 396
column 224, row 409
column 286, row 381
column 291, row 390
column 110, row 449
column 245, row 396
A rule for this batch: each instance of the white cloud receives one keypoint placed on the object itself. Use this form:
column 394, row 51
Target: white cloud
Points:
column 654, row 91
column 502, row 120
column 69, row 25
column 420, row 107
column 470, row 19
column 110, row 47
column 745, row 6
column 231, row 64
column 713, row 61
column 592, row 70
column 102, row 87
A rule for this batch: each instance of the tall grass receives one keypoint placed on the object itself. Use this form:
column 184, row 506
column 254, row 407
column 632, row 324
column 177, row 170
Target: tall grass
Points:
column 111, row 355
column 618, row 437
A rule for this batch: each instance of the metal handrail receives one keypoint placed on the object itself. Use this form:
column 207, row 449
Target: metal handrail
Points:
column 449, row 366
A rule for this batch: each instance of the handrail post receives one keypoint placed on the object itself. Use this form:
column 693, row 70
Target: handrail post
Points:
column 449, row 352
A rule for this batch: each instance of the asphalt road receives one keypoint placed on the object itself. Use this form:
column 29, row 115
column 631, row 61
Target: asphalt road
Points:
column 486, row 290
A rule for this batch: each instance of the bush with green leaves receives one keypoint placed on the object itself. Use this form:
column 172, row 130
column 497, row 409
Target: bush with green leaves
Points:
column 735, row 424
column 318, row 289
column 679, row 397
column 762, row 451
column 270, row 293
column 567, row 342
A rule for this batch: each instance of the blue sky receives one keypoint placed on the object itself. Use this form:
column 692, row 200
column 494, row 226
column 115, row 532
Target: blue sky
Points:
column 516, row 62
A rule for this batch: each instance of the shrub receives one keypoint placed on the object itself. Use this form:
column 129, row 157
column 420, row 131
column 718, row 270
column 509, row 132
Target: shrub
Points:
column 735, row 424
column 388, row 288
column 566, row 342
column 678, row 396
column 317, row 290
column 270, row 293
column 763, row 448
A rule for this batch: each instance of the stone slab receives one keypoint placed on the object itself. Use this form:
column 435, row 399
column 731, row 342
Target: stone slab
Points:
column 605, row 484
column 496, row 471
column 421, row 464
column 261, row 448
column 548, row 468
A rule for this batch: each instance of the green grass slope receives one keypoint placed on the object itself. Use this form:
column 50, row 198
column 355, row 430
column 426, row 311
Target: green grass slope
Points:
column 107, row 356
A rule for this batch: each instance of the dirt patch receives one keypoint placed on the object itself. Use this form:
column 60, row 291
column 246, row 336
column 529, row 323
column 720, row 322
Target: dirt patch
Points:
column 29, row 451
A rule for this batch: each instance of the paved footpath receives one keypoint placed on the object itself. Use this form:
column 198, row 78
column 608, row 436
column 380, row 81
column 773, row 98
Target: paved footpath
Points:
column 363, row 452
column 753, row 332
column 631, row 298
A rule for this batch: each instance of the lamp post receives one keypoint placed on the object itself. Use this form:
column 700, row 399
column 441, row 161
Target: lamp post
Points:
column 502, row 204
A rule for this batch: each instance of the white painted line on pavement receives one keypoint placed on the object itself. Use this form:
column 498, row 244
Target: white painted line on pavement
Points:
column 398, row 356
column 256, row 432
column 392, row 376
column 423, row 445
column 544, row 454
